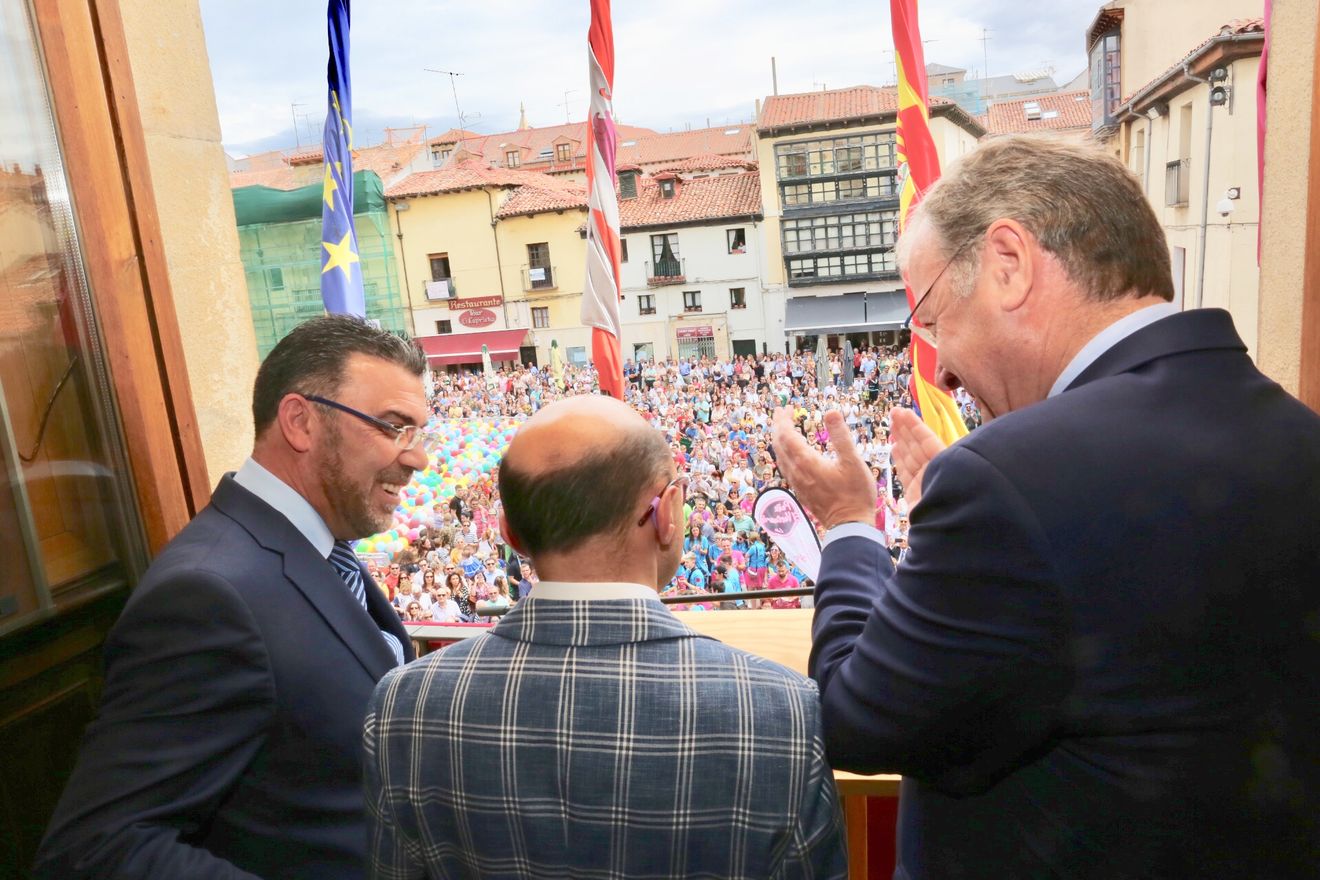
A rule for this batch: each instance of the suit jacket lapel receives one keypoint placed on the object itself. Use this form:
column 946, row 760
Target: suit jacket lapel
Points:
column 1197, row 330
column 312, row 575
column 383, row 613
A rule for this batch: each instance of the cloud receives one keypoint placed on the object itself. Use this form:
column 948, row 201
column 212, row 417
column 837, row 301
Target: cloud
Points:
column 678, row 63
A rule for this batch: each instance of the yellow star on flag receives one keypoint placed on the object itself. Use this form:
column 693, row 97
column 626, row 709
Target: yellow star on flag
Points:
column 342, row 255
column 330, row 185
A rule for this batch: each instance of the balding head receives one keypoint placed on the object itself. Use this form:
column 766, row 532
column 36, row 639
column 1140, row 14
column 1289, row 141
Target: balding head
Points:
column 576, row 471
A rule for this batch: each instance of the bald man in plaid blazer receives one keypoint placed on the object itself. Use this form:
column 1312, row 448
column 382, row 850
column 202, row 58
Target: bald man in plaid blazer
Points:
column 592, row 733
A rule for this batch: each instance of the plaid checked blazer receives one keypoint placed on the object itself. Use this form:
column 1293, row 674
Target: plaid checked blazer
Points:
column 598, row 739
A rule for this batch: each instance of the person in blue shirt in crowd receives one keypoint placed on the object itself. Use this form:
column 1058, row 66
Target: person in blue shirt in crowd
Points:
column 692, row 572
column 695, row 543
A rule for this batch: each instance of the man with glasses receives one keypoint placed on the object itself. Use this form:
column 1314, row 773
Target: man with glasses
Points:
column 597, row 732
column 229, row 737
column 1075, row 668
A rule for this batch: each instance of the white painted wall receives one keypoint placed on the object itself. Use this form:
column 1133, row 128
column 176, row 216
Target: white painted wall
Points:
column 710, row 269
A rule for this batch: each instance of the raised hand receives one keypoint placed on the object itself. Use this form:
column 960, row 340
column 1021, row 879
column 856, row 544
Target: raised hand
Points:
column 835, row 490
column 915, row 444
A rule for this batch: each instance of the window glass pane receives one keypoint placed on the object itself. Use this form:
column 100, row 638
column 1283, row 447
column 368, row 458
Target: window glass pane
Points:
column 64, row 506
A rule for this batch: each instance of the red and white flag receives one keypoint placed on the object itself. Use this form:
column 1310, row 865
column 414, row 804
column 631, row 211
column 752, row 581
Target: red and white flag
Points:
column 600, row 295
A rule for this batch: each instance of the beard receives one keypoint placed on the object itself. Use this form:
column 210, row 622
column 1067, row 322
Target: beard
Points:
column 352, row 501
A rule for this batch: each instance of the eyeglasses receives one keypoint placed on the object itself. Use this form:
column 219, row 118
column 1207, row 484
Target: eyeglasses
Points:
column 405, row 436
column 652, row 512
column 916, row 329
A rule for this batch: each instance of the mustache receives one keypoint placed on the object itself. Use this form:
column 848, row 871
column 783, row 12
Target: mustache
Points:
column 397, row 477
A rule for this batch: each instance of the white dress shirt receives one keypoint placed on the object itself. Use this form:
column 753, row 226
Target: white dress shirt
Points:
column 564, row 591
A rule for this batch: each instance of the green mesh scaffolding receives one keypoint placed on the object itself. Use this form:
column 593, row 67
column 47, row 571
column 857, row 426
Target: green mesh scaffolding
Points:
column 279, row 235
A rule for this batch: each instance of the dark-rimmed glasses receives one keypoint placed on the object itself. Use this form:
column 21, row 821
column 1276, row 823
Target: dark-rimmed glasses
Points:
column 405, row 436
column 652, row 512
column 918, row 330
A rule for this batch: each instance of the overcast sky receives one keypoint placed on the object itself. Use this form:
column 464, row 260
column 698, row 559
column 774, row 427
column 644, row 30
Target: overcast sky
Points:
column 679, row 62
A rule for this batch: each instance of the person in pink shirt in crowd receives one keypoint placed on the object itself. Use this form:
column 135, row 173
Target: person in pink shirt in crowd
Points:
column 782, row 579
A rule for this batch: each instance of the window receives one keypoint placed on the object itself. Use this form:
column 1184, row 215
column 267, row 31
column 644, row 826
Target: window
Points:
column 827, row 157
column 623, row 250
column 842, row 266
column 1106, row 88
column 667, row 189
column 577, row 355
column 563, row 152
column 540, row 274
column 872, row 186
column 692, row 300
column 646, row 304
column 440, row 154
column 511, row 159
column 737, row 297
column 627, row 184
column 67, row 507
column 275, row 278
column 439, row 267
column 870, row 229
column 737, row 240
column 664, row 251
column 540, row 317
column 443, row 327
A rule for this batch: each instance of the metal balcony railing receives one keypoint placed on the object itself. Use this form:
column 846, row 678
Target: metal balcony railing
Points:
column 538, row 277
column 663, row 272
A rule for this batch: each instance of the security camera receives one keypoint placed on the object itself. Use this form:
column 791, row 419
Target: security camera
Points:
column 1225, row 207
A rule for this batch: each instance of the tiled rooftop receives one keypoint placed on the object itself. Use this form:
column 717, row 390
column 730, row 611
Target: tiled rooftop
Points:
column 725, row 140
column 473, row 174
column 808, row 108
column 710, row 162
column 1063, row 111
column 705, row 198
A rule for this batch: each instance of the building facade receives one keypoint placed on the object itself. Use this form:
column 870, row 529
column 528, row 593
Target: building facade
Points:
column 830, row 184
column 693, row 256
column 1188, row 131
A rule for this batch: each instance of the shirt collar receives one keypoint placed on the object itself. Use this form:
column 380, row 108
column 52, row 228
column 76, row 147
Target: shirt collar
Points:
column 1107, row 339
column 295, row 508
column 564, row 591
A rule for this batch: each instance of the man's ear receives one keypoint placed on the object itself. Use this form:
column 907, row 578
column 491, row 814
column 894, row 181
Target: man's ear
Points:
column 293, row 419
column 1010, row 260
column 509, row 537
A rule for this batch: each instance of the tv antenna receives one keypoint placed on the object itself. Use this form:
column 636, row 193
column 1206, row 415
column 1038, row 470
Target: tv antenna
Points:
column 453, row 85
column 566, row 105
column 293, row 110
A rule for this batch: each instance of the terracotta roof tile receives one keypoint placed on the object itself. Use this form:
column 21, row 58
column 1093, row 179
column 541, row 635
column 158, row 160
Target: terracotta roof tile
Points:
column 453, row 136
column 705, row 198
column 809, row 108
column 1071, row 109
column 533, row 199
column 725, row 140
column 386, row 160
column 472, row 174
column 710, row 162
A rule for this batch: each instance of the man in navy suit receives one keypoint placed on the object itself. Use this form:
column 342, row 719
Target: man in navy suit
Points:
column 229, row 739
column 1101, row 654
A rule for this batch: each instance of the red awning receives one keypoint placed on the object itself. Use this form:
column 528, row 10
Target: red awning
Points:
column 465, row 348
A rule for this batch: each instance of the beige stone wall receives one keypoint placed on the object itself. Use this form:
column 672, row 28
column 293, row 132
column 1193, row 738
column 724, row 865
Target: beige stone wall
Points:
column 1156, row 33
column 1287, row 176
column 176, row 98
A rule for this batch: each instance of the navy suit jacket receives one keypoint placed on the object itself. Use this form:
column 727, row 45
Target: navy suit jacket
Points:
column 229, row 739
column 1101, row 656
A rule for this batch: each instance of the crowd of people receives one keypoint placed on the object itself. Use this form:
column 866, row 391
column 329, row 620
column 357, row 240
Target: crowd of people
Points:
column 715, row 414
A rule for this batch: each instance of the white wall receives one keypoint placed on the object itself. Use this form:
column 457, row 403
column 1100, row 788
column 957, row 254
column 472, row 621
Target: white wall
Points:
column 710, row 269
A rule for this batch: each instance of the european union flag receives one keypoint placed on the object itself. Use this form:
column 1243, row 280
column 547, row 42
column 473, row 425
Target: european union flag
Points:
column 341, row 273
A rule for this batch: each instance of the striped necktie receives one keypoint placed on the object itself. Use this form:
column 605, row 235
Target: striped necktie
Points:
column 345, row 562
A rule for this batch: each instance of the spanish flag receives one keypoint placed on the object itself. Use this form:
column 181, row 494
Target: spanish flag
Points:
column 919, row 167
